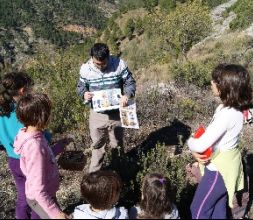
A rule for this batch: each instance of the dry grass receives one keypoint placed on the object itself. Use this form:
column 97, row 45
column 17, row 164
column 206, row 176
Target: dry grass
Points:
column 133, row 14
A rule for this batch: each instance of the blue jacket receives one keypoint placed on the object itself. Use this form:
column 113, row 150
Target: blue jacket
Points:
column 9, row 127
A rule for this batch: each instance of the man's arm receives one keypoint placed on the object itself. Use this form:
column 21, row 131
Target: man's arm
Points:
column 82, row 87
column 129, row 84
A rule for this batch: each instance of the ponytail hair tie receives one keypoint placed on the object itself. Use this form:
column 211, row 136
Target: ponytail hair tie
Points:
column 162, row 180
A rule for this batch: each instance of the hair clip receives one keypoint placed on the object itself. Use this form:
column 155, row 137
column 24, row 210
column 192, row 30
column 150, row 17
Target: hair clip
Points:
column 162, row 180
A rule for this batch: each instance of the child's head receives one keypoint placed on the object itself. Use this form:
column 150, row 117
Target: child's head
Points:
column 34, row 110
column 101, row 189
column 155, row 202
column 13, row 85
column 233, row 85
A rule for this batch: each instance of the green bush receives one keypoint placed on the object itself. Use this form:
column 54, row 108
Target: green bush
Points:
column 58, row 77
column 197, row 73
column 150, row 4
column 243, row 10
column 129, row 28
column 167, row 5
column 186, row 26
column 158, row 160
column 213, row 3
column 187, row 108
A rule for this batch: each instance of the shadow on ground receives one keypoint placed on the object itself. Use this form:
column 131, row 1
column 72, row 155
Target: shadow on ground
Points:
column 128, row 165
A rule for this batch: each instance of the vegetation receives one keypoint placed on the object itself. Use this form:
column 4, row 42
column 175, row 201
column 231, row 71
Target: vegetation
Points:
column 58, row 76
column 243, row 10
column 213, row 3
column 158, row 160
column 186, row 26
column 47, row 19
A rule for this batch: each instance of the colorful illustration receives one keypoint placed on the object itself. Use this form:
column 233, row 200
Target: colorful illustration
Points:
column 128, row 115
column 105, row 100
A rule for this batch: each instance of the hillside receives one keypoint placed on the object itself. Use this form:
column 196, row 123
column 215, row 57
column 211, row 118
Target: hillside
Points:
column 26, row 23
column 171, row 50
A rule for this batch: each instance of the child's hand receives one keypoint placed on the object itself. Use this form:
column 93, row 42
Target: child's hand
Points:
column 201, row 158
column 65, row 141
column 63, row 216
column 60, row 146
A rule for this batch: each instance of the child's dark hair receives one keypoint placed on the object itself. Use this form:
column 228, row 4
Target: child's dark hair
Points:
column 155, row 202
column 9, row 87
column 234, row 85
column 34, row 110
column 100, row 51
column 101, row 189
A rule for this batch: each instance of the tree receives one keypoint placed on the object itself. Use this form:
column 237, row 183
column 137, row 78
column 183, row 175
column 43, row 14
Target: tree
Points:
column 186, row 26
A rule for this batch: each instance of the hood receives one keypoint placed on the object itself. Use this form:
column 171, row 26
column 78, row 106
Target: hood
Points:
column 85, row 211
column 22, row 137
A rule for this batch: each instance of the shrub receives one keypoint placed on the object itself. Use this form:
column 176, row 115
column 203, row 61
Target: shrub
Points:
column 213, row 3
column 243, row 9
column 197, row 73
column 186, row 26
column 150, row 4
column 158, row 160
column 58, row 77
column 129, row 28
column 187, row 108
column 167, row 5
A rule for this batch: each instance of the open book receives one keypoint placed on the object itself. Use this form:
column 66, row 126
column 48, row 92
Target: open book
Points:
column 128, row 115
column 105, row 100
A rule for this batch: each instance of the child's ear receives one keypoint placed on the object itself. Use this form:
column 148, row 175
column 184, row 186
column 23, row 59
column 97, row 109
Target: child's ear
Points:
column 21, row 91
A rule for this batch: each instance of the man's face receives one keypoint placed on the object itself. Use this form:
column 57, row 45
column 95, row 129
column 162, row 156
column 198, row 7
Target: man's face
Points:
column 101, row 65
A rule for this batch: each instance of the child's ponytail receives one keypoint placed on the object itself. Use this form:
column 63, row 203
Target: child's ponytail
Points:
column 9, row 88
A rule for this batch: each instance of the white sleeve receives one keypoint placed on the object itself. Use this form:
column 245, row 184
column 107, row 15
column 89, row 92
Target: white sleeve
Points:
column 213, row 133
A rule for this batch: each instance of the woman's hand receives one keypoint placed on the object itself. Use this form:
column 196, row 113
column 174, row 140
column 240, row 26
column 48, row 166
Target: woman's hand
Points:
column 64, row 216
column 201, row 158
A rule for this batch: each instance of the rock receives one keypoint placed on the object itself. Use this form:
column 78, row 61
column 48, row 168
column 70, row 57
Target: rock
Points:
column 249, row 31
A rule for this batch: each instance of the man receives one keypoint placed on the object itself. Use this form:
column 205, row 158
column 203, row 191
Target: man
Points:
column 104, row 72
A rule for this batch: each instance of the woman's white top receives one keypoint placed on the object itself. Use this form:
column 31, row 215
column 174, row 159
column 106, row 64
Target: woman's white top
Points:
column 223, row 133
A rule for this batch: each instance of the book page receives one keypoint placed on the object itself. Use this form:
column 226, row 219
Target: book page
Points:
column 128, row 116
column 105, row 100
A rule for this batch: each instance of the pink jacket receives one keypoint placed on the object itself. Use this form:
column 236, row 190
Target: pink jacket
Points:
column 38, row 164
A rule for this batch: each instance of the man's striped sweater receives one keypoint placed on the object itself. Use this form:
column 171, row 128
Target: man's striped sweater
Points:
column 115, row 76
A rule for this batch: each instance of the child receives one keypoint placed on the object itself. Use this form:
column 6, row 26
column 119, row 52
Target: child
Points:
column 101, row 190
column 37, row 161
column 12, row 87
column 155, row 202
column 223, row 173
